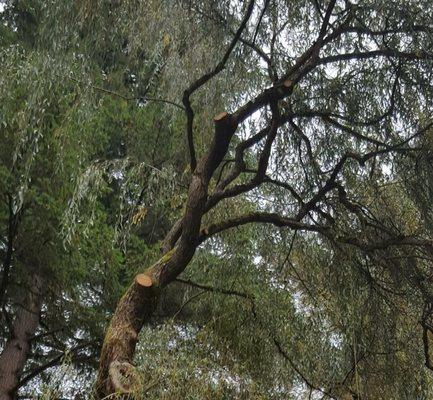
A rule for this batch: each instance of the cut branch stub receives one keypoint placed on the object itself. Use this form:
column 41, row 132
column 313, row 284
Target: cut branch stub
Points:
column 139, row 301
column 143, row 280
column 224, row 120
column 220, row 116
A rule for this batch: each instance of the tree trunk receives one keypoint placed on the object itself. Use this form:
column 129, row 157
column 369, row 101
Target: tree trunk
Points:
column 16, row 350
column 116, row 372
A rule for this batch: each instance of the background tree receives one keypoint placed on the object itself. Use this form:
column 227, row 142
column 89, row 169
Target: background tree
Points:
column 69, row 169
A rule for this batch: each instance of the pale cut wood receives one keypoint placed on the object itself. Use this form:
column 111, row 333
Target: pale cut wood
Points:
column 143, row 280
column 220, row 116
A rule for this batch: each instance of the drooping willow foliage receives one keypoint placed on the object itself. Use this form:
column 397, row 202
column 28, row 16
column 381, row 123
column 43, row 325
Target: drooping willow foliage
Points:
column 95, row 167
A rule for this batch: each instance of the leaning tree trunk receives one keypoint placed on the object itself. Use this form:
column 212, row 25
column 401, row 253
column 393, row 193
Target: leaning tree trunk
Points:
column 116, row 372
column 16, row 350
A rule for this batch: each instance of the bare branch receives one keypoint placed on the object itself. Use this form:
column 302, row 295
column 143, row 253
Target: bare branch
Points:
column 53, row 362
column 122, row 96
column 213, row 289
column 262, row 217
column 204, row 79
column 260, row 20
column 419, row 55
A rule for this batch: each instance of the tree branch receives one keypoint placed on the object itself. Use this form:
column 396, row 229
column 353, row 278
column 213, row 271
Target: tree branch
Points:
column 53, row 362
column 204, row 79
column 420, row 55
column 262, row 217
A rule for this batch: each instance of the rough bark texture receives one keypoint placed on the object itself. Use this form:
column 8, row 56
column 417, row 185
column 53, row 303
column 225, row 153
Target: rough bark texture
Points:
column 7, row 262
column 16, row 350
column 134, row 308
column 116, row 372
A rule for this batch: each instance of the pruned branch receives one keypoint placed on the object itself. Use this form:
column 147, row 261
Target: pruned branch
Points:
column 204, row 79
column 236, row 190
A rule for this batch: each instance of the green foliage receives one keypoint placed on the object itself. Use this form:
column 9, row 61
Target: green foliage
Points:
column 93, row 161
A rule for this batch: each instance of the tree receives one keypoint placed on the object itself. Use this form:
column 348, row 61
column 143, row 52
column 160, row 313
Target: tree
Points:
column 301, row 224
column 346, row 96
column 54, row 132
column 38, row 113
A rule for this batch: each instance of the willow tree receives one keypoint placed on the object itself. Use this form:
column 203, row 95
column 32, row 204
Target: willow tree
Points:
column 340, row 95
column 44, row 279
column 58, row 144
column 304, row 208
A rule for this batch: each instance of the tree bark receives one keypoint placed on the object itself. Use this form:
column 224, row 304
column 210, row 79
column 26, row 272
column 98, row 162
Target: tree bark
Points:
column 116, row 372
column 7, row 262
column 16, row 350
